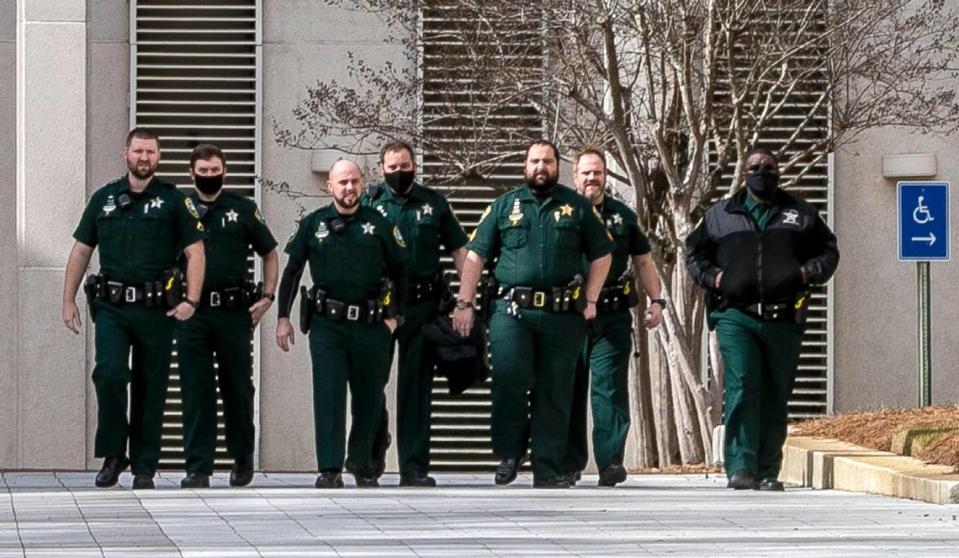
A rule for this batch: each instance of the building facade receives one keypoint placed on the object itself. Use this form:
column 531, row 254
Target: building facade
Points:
column 78, row 74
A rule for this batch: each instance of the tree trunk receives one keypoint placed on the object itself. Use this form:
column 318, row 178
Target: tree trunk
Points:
column 642, row 434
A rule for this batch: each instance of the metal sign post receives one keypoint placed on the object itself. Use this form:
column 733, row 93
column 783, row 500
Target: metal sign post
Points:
column 923, row 237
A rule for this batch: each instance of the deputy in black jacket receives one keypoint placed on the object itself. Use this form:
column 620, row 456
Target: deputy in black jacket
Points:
column 756, row 254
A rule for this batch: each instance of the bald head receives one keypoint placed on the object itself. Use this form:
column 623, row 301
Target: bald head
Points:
column 345, row 184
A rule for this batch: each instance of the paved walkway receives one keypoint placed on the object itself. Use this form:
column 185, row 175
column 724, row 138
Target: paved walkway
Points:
column 60, row 515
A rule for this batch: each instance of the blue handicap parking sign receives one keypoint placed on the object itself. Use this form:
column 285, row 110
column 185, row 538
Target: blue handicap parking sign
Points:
column 923, row 221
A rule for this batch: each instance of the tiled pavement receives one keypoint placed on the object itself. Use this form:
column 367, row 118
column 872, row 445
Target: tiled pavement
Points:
column 60, row 515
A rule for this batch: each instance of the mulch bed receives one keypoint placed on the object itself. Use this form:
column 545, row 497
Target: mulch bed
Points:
column 875, row 429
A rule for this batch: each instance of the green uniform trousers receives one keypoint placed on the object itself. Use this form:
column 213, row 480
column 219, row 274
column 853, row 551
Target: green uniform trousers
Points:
column 414, row 391
column 602, row 376
column 534, row 367
column 760, row 360
column 149, row 334
column 225, row 334
column 354, row 354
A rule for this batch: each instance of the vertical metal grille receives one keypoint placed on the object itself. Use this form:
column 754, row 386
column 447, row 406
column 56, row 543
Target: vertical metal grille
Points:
column 457, row 110
column 807, row 117
column 194, row 80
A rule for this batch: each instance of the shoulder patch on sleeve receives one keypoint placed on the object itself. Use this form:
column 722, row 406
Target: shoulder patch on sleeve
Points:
column 199, row 226
column 259, row 216
column 296, row 227
column 482, row 218
column 398, row 237
column 188, row 202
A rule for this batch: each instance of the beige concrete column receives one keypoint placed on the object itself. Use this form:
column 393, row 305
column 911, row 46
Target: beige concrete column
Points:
column 50, row 365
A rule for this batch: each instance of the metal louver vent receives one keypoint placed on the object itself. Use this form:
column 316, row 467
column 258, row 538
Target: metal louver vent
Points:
column 456, row 110
column 194, row 74
column 805, row 115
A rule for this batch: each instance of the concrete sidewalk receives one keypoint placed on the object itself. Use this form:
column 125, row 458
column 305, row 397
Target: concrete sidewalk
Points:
column 60, row 515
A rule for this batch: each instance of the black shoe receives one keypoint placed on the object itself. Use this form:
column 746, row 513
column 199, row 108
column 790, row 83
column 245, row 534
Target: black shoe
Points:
column 770, row 484
column 379, row 457
column 143, row 482
column 573, row 477
column 741, row 480
column 363, row 481
column 110, row 472
column 329, row 479
column 506, row 471
column 242, row 472
column 417, row 479
column 612, row 475
column 561, row 481
column 195, row 480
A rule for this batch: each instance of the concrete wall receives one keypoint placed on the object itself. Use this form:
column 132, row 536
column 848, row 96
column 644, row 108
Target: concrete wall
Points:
column 875, row 352
column 51, row 174
column 8, row 234
column 303, row 41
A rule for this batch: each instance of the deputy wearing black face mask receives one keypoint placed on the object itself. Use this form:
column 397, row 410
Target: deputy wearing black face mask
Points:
column 221, row 329
column 426, row 221
column 757, row 254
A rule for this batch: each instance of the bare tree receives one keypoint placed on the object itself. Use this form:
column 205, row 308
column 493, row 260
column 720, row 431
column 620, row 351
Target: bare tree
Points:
column 676, row 91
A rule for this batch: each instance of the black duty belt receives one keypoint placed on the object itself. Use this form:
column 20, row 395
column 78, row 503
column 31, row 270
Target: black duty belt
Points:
column 554, row 299
column 612, row 299
column 770, row 311
column 149, row 294
column 229, row 298
column 422, row 290
column 371, row 311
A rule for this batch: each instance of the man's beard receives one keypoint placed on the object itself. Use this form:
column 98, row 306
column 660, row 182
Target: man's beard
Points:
column 138, row 174
column 341, row 201
column 593, row 192
column 543, row 185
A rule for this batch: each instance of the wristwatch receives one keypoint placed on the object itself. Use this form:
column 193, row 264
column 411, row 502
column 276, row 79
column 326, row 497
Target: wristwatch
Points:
column 270, row 296
column 463, row 304
column 194, row 303
column 660, row 301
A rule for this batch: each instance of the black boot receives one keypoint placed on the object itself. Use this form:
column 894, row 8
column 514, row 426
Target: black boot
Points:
column 329, row 479
column 195, row 480
column 741, row 480
column 561, row 481
column 612, row 475
column 242, row 472
column 418, row 479
column 110, row 472
column 506, row 471
column 143, row 482
column 770, row 484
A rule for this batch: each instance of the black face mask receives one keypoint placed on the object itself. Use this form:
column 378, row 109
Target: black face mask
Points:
column 400, row 181
column 209, row 185
column 763, row 183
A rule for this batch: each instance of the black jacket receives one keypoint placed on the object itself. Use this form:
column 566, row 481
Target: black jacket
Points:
column 764, row 266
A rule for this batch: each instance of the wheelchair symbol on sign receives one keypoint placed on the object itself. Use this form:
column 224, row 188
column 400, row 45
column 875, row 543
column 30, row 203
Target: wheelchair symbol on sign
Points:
column 921, row 213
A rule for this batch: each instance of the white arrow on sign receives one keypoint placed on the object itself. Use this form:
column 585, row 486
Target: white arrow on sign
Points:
column 931, row 239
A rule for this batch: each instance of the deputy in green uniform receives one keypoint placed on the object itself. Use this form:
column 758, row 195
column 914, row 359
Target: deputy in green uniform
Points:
column 602, row 372
column 141, row 225
column 427, row 223
column 350, row 250
column 757, row 254
column 539, row 234
column 222, row 327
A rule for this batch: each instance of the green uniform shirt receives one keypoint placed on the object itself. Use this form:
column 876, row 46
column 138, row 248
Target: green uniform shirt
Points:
column 540, row 240
column 623, row 226
column 426, row 222
column 349, row 265
column 759, row 211
column 139, row 243
column 234, row 227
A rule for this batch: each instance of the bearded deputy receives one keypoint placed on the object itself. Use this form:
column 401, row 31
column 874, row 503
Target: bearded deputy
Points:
column 539, row 235
column 141, row 226
column 357, row 261
column 757, row 254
